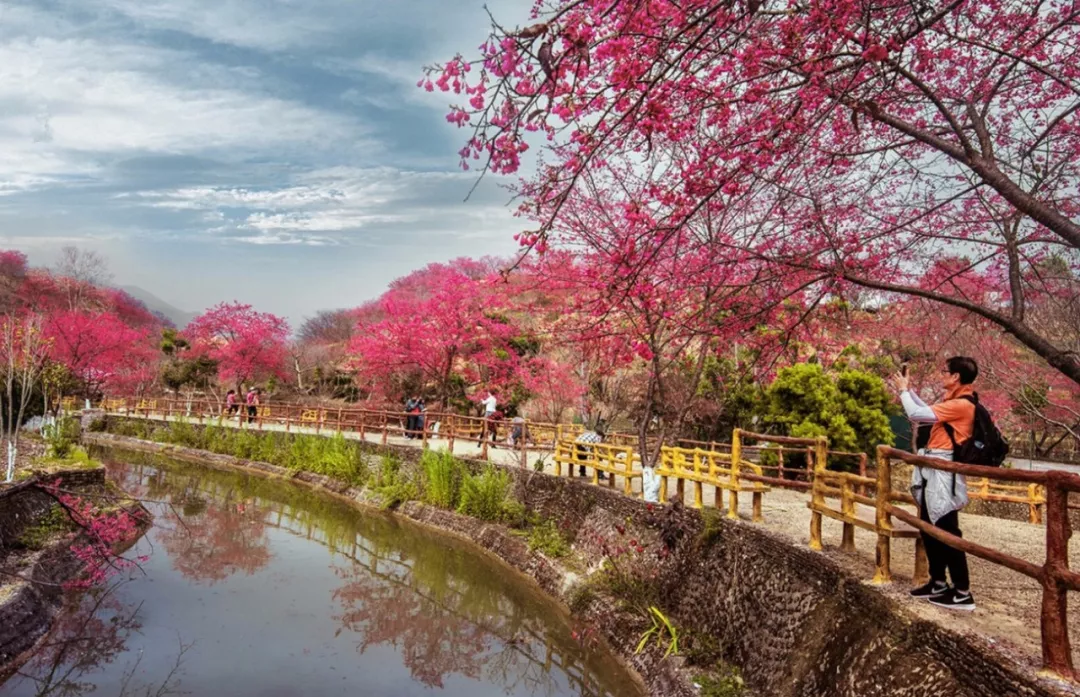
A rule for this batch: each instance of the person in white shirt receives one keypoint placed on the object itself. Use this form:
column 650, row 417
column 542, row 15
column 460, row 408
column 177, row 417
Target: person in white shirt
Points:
column 490, row 403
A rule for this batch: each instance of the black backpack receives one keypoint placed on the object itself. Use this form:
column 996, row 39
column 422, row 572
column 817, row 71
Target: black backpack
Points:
column 986, row 446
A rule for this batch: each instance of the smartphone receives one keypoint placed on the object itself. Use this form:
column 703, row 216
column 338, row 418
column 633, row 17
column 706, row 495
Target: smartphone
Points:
column 903, row 369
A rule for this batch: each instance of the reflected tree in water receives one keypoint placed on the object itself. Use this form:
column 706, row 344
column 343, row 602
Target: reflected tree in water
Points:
column 92, row 632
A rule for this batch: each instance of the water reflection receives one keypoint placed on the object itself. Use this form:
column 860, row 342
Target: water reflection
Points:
column 452, row 619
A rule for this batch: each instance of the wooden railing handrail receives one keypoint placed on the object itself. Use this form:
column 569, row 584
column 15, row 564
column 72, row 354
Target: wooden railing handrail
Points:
column 783, row 440
column 1000, row 473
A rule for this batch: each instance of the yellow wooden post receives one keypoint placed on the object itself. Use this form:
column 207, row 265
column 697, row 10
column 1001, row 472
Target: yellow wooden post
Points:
column 736, row 459
column 847, row 507
column 1034, row 515
column 628, row 480
column 698, row 493
column 883, row 522
column 817, row 497
column 666, row 463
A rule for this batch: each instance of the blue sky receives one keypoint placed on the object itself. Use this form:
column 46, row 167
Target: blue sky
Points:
column 276, row 152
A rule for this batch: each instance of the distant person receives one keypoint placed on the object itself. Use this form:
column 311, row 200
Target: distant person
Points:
column 517, row 431
column 421, row 416
column 231, row 405
column 412, row 411
column 584, row 447
column 490, row 404
column 941, row 495
column 252, row 401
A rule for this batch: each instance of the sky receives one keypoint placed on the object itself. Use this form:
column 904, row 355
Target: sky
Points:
column 276, row 152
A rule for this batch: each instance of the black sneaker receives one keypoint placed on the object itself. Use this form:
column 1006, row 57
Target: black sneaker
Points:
column 933, row 589
column 954, row 600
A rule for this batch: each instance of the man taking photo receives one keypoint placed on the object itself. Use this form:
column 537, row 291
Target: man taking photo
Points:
column 940, row 495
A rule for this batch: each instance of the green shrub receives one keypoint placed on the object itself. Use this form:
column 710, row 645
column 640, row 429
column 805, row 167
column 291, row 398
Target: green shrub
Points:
column 548, row 539
column 443, row 475
column 98, row 425
column 61, row 437
column 484, row 495
column 333, row 457
column 181, row 432
column 515, row 514
column 392, row 484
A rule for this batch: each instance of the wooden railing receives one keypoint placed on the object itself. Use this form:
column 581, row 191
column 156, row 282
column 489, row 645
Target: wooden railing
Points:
column 600, row 457
column 485, row 433
column 724, row 471
column 1053, row 574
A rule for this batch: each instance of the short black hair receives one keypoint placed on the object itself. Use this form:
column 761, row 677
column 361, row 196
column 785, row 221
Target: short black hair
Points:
column 965, row 367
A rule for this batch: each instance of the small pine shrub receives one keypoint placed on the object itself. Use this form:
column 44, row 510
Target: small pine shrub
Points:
column 515, row 514
column 484, row 495
column 443, row 475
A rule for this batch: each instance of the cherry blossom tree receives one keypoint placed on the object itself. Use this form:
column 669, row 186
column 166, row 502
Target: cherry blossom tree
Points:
column 247, row 345
column 444, row 330
column 876, row 134
column 101, row 351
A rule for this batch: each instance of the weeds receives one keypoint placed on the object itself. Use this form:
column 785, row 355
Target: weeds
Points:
column 392, row 485
column 61, row 437
column 443, row 477
column 53, row 523
column 547, row 539
column 727, row 683
column 486, row 495
column 663, row 630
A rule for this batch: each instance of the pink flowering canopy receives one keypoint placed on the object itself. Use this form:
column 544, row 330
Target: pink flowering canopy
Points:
column 853, row 142
column 247, row 345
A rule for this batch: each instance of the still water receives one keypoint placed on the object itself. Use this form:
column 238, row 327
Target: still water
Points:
column 256, row 587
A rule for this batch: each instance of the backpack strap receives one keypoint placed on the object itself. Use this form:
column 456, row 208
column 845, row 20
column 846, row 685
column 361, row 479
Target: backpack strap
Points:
column 952, row 434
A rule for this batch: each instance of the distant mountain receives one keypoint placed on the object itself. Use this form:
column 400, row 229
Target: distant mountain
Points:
column 159, row 306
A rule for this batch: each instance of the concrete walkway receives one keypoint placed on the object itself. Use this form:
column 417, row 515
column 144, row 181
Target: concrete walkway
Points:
column 1008, row 603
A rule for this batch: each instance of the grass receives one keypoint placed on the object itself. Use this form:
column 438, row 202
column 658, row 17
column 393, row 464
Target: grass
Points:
column 335, row 457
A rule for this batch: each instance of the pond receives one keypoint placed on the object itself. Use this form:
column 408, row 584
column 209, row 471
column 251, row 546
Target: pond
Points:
column 259, row 587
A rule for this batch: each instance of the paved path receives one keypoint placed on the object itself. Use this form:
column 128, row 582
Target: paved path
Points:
column 1008, row 602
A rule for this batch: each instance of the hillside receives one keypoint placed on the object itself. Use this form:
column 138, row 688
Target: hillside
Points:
column 155, row 304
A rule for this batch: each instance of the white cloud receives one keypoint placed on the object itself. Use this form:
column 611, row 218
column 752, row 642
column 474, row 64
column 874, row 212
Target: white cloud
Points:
column 114, row 98
column 340, row 203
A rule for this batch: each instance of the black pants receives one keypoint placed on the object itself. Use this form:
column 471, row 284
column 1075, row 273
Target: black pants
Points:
column 252, row 412
column 941, row 556
column 410, row 425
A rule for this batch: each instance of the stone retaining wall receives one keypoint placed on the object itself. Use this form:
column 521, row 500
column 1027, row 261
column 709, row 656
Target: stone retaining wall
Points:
column 27, row 609
column 792, row 620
